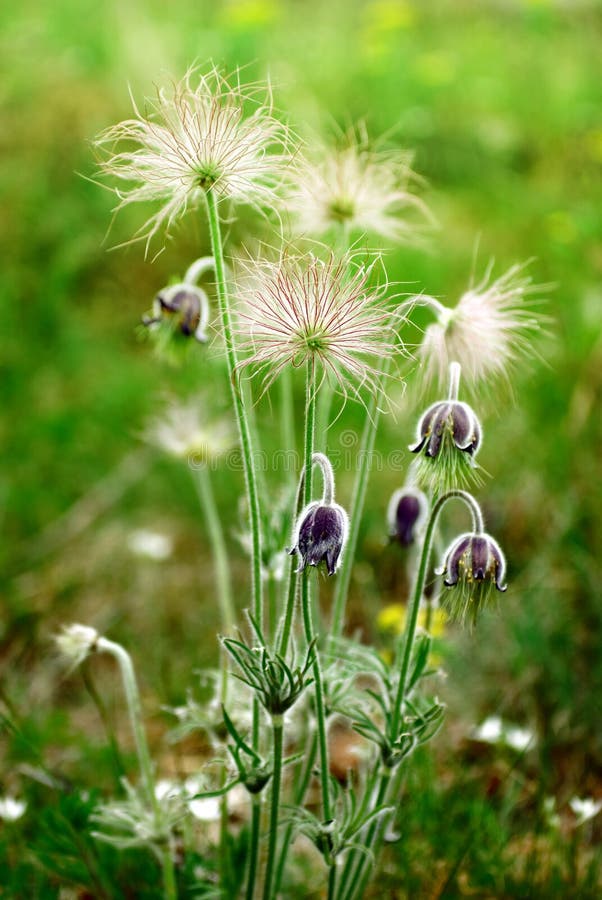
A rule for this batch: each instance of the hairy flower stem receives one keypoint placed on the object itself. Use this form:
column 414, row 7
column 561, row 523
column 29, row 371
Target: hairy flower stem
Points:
column 365, row 452
column 303, row 779
column 287, row 411
column 250, row 483
column 403, row 657
column 356, row 870
column 253, row 853
column 277, row 737
column 239, row 406
column 455, row 370
column 353, row 866
column 310, row 417
column 132, row 696
column 404, row 650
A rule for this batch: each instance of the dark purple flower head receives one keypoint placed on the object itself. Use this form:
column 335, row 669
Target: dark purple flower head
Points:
column 320, row 536
column 186, row 306
column 406, row 514
column 448, row 419
column 473, row 565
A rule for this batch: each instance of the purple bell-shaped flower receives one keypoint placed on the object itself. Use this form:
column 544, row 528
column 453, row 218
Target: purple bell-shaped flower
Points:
column 406, row 515
column 320, row 536
column 473, row 565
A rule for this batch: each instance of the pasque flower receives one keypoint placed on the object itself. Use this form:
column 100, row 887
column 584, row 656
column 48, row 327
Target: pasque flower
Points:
column 448, row 437
column 183, row 305
column 406, row 514
column 207, row 132
column 306, row 308
column 473, row 565
column 322, row 527
column 356, row 187
column 320, row 536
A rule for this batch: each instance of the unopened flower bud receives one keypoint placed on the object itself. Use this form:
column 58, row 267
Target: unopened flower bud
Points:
column 473, row 565
column 406, row 514
column 186, row 305
column 320, row 535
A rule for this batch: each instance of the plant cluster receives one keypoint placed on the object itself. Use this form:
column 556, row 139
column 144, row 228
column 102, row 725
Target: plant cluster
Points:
column 325, row 311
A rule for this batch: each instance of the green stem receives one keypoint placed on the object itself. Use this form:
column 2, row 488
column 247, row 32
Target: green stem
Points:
column 332, row 881
column 239, row 406
column 169, row 875
column 310, row 418
column 218, row 547
column 253, row 845
column 290, row 606
column 287, row 411
column 132, row 696
column 278, row 732
column 364, row 459
column 354, row 867
column 404, row 655
column 404, row 652
column 299, row 796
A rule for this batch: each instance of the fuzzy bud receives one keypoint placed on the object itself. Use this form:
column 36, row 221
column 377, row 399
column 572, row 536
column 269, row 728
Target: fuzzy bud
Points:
column 183, row 305
column 320, row 535
column 406, row 515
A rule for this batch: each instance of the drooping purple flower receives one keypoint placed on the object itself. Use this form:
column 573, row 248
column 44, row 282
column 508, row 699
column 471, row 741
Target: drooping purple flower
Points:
column 320, row 536
column 406, row 514
column 448, row 418
column 473, row 565
column 186, row 305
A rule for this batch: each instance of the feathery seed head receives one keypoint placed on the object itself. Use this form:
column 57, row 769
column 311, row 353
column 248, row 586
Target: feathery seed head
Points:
column 357, row 188
column 182, row 431
column 306, row 308
column 488, row 330
column 76, row 642
column 207, row 132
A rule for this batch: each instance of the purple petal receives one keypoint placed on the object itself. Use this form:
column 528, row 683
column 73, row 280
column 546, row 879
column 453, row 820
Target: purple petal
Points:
column 479, row 550
column 439, row 424
column 453, row 557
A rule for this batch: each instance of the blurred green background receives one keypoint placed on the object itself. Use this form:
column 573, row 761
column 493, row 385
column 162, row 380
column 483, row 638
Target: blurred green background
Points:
column 501, row 102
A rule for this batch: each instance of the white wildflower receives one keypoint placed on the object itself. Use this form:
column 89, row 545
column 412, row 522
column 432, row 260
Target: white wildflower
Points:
column 206, row 809
column 495, row 731
column 208, row 132
column 303, row 309
column 490, row 328
column 585, row 808
column 11, row 809
column 357, row 188
column 150, row 544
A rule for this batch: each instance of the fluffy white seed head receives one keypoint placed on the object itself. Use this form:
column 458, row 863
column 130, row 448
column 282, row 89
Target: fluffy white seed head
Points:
column 307, row 308
column 76, row 642
column 490, row 328
column 206, row 132
column 356, row 188
column 184, row 430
